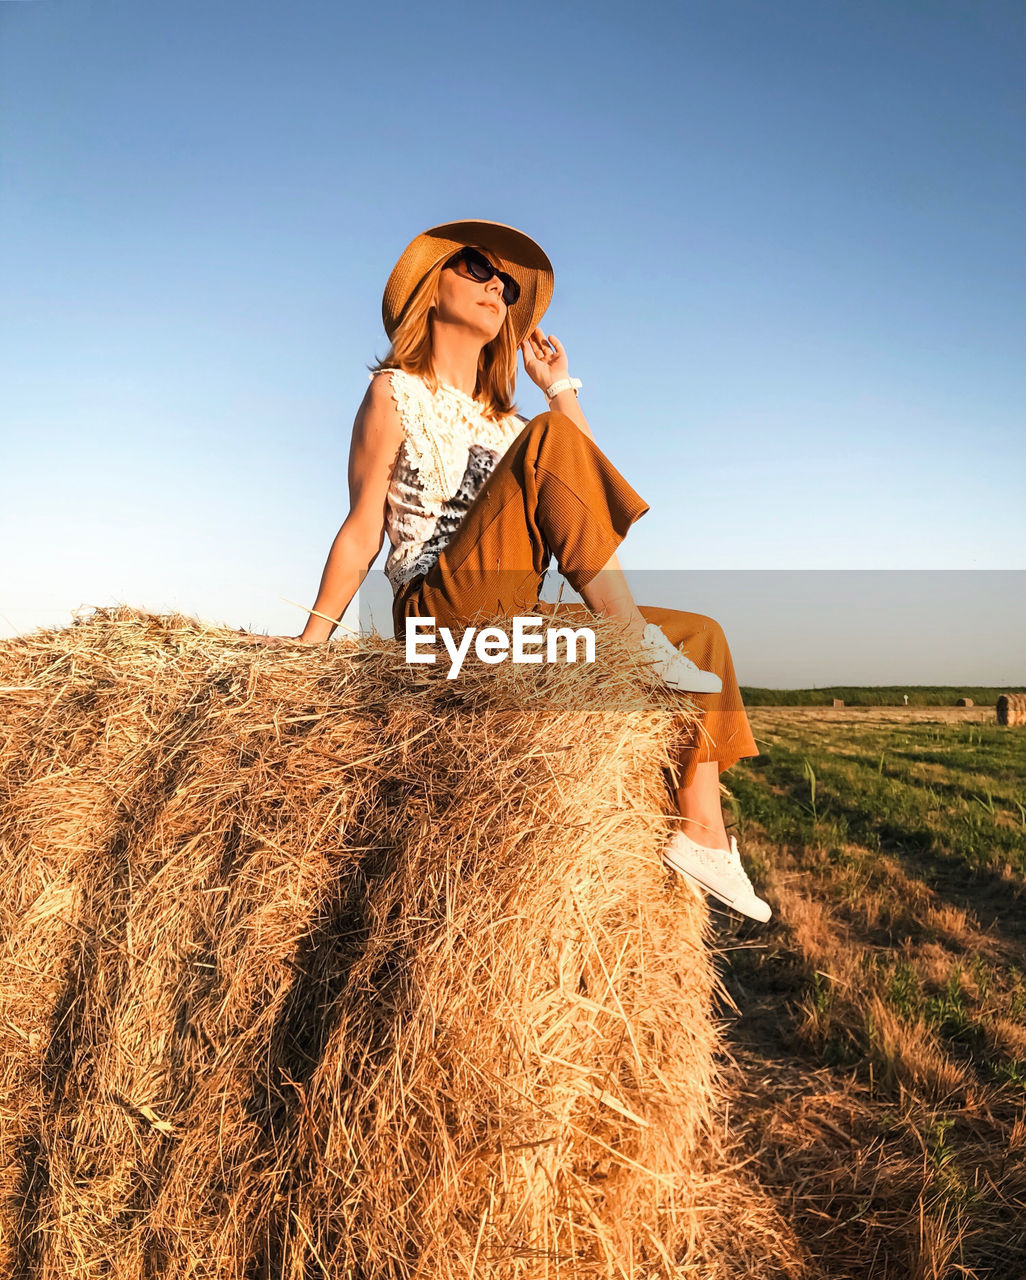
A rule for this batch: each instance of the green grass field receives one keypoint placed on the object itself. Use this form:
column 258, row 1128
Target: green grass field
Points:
column 921, row 695
column 881, row 1041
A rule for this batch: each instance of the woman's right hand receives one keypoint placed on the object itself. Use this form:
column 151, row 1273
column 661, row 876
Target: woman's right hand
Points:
column 545, row 360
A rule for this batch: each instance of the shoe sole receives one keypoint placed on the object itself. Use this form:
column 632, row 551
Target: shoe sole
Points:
column 659, row 681
column 716, row 893
column 690, row 688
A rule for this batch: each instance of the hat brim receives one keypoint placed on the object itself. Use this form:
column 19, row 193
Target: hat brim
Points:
column 525, row 258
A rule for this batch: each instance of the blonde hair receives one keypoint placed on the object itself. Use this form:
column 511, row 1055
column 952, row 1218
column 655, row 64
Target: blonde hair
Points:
column 411, row 349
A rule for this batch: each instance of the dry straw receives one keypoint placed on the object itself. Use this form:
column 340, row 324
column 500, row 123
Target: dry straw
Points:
column 315, row 964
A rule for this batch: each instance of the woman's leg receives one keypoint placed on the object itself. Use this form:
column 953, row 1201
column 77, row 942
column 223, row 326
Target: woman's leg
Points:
column 609, row 595
column 723, row 736
column 701, row 814
column 553, row 493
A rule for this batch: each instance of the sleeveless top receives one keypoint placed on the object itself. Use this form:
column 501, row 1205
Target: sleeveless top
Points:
column 449, row 451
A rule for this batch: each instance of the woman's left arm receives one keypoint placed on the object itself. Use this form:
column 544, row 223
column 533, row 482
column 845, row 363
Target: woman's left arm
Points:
column 546, row 362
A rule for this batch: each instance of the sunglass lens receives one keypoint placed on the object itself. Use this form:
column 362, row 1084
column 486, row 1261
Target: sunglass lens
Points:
column 478, row 265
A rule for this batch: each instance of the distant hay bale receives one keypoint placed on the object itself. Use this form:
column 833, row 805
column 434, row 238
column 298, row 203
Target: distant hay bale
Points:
column 313, row 964
column 965, row 702
column 1011, row 709
column 837, row 702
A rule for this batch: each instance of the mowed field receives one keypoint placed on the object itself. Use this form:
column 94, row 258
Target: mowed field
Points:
column 879, row 1039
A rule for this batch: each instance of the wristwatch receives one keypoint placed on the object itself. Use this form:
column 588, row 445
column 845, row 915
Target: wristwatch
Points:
column 564, row 384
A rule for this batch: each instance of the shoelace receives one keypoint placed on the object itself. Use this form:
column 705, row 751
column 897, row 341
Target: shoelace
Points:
column 688, row 664
column 736, row 863
column 711, row 857
column 716, row 857
column 660, row 645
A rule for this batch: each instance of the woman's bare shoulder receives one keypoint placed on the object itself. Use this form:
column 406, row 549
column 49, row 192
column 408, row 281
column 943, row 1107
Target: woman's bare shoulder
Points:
column 379, row 414
column 395, row 386
column 381, row 380
column 392, row 373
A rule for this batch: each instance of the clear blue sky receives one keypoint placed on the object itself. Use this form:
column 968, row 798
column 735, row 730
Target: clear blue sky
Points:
column 789, row 254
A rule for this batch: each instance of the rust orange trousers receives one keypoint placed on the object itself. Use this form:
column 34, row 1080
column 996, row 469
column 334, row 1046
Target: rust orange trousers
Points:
column 555, row 493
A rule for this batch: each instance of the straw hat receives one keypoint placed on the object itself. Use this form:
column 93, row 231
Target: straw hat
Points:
column 526, row 260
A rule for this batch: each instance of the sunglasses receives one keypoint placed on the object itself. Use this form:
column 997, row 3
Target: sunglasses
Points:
column 479, row 268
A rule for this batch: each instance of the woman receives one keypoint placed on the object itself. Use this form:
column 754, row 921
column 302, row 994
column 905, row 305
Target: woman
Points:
column 475, row 500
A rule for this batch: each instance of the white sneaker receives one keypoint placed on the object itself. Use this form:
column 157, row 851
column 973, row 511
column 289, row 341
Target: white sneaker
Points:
column 717, row 871
column 667, row 662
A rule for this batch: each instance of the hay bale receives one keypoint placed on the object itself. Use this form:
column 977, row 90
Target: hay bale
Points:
column 313, row 963
column 837, row 702
column 1011, row 709
column 965, row 702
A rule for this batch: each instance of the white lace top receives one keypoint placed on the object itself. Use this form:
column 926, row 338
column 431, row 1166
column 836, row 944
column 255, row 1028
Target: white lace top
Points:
column 450, row 450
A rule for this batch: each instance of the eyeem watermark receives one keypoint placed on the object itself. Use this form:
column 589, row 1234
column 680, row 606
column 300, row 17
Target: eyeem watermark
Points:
column 492, row 644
